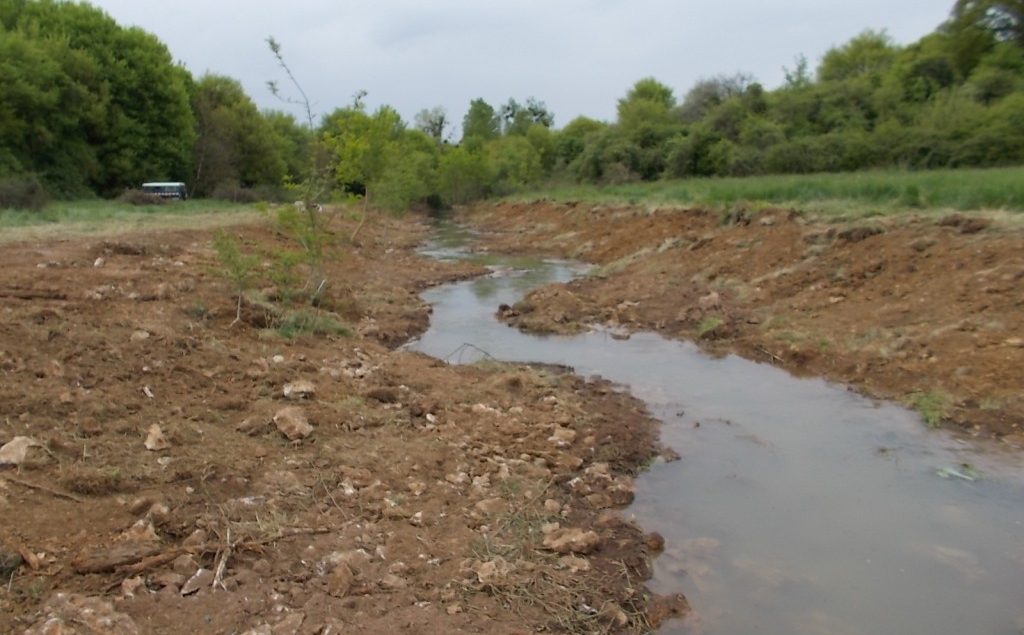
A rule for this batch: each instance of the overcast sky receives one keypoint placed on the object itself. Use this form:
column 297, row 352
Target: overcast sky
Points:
column 579, row 56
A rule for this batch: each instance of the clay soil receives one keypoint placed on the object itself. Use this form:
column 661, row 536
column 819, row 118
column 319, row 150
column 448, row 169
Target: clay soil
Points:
column 426, row 499
column 927, row 310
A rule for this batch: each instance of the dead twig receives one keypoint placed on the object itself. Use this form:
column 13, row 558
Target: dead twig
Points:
column 43, row 488
column 775, row 358
column 218, row 576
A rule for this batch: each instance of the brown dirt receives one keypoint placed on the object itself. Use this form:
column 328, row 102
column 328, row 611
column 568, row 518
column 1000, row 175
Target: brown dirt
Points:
column 423, row 500
column 926, row 311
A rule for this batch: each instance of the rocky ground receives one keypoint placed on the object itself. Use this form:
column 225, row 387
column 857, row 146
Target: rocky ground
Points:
column 924, row 309
column 166, row 470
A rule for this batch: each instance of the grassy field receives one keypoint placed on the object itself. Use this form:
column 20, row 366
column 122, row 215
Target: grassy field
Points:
column 856, row 194
column 65, row 218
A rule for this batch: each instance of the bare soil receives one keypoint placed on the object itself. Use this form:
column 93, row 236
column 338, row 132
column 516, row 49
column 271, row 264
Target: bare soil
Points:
column 925, row 310
column 428, row 498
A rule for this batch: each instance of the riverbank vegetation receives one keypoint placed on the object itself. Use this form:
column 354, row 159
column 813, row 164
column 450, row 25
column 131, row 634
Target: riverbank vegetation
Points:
column 92, row 108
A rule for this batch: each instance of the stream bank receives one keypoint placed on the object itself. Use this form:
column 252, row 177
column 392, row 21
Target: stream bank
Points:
column 925, row 310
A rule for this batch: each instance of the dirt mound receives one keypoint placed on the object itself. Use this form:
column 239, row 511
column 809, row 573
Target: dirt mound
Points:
column 925, row 312
column 187, row 475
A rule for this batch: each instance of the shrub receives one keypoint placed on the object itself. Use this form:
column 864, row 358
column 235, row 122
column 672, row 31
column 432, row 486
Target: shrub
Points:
column 235, row 193
column 23, row 192
column 138, row 197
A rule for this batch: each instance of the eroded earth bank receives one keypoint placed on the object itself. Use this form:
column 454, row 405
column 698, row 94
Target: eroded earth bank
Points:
column 181, row 473
column 926, row 310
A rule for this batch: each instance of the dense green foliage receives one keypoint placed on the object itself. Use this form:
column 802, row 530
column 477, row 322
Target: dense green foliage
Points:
column 91, row 107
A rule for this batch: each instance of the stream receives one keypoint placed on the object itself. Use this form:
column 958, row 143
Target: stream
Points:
column 798, row 506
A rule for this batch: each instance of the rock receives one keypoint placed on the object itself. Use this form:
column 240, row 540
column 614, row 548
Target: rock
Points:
column 141, row 531
column 196, row 539
column 562, row 437
column 289, row 625
column 301, row 389
column 138, row 336
column 15, row 451
column 1015, row 342
column 203, row 578
column 493, row 571
column 72, row 614
column 655, row 542
column 292, row 423
column 340, row 580
column 668, row 607
column 252, row 426
column 552, row 506
column 185, row 565
column 168, row 579
column 393, row 582
column 131, row 586
column 491, row 506
column 572, row 540
column 277, row 359
column 155, row 439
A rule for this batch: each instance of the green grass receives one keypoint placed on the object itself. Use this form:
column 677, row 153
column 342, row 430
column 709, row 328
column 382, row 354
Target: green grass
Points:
column 933, row 406
column 854, row 194
column 97, row 215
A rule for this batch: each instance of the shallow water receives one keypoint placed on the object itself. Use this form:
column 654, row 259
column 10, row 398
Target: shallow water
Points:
column 798, row 507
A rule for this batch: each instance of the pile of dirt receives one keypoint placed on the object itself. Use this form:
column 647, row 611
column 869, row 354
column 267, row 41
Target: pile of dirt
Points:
column 178, row 473
column 920, row 309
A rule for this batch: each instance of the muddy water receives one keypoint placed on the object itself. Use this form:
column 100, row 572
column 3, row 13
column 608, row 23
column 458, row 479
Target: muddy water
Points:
column 797, row 507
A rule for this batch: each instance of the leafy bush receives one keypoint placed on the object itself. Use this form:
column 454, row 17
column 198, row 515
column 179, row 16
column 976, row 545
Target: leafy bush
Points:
column 138, row 197
column 22, row 192
column 235, row 193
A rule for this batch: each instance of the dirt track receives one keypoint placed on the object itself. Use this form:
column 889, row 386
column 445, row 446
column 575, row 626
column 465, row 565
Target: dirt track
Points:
column 923, row 310
column 423, row 501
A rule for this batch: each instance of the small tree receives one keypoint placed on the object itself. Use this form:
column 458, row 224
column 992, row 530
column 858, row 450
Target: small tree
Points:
column 236, row 267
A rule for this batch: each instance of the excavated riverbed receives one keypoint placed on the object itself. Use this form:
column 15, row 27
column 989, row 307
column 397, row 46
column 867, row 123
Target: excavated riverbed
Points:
column 797, row 505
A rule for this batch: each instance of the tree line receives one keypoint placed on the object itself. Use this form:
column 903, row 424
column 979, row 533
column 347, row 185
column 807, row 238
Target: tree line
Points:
column 91, row 107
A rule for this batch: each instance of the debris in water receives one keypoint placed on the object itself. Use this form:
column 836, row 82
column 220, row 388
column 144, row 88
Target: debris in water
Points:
column 964, row 472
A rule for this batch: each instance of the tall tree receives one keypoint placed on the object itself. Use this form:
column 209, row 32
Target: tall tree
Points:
column 481, row 122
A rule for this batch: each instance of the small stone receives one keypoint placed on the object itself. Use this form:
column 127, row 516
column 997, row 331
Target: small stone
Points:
column 99, row 262
column 453, row 609
column 491, row 506
column 155, row 439
column 572, row 540
column 168, row 579
column 301, row 389
column 277, row 359
column 69, row 614
column 292, row 423
column 339, row 580
column 552, row 506
column 184, row 565
column 655, row 542
column 1015, row 342
column 15, row 451
column 131, row 586
column 289, row 625
column 203, row 578
column 138, row 336
column 393, row 582
column 196, row 539
column 562, row 437
column 710, row 301
column 493, row 571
